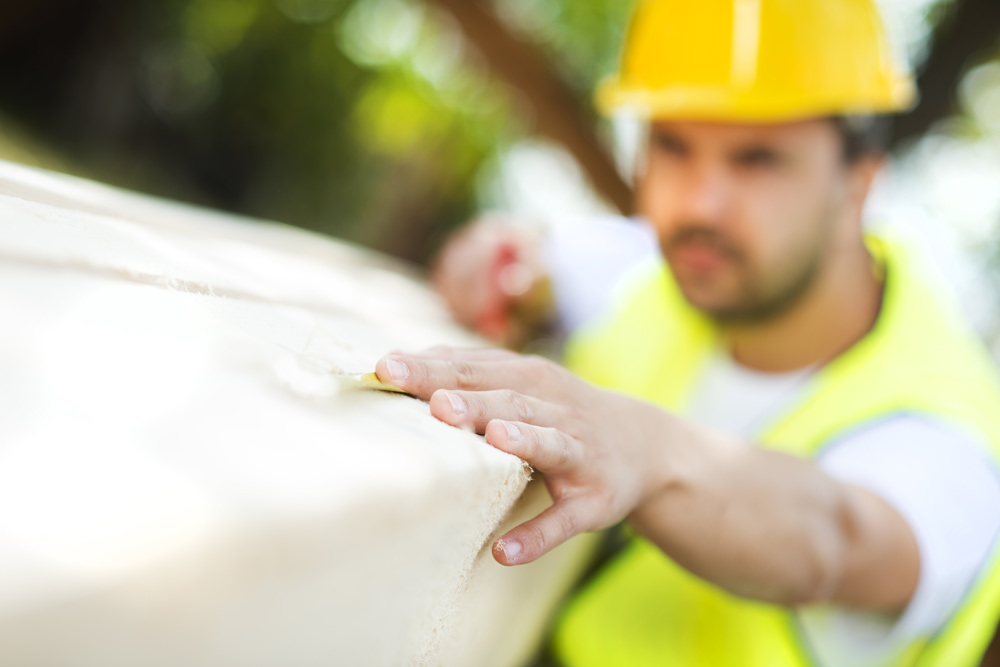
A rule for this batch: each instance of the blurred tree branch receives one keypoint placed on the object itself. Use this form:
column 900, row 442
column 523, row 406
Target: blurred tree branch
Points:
column 969, row 29
column 558, row 112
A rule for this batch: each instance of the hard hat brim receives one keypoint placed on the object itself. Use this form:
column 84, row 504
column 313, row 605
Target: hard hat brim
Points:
column 719, row 103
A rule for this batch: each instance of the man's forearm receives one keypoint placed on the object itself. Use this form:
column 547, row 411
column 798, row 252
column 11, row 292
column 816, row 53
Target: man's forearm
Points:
column 773, row 527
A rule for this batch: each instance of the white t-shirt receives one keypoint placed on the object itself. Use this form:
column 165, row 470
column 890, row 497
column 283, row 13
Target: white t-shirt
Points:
column 936, row 476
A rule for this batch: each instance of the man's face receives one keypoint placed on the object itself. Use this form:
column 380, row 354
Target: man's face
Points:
column 746, row 214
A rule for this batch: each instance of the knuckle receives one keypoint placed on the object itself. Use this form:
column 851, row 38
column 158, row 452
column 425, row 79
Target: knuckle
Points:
column 567, row 524
column 466, row 375
column 568, row 415
column 565, row 451
column 537, row 365
column 605, row 499
column 609, row 507
column 538, row 538
column 518, row 403
column 558, row 449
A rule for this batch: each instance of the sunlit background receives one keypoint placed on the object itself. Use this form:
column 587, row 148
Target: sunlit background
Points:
column 390, row 122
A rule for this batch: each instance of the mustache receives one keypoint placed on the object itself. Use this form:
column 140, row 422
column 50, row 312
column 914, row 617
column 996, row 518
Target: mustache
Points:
column 699, row 235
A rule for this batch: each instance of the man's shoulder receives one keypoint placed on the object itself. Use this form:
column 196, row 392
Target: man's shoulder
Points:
column 921, row 357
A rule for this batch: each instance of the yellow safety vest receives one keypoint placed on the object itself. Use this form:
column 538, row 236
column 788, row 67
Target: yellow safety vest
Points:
column 642, row 608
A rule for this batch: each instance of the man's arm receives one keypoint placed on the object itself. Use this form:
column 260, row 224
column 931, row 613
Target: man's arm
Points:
column 760, row 524
column 773, row 527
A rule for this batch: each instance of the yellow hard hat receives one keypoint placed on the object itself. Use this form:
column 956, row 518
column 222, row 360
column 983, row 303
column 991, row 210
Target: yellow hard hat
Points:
column 757, row 60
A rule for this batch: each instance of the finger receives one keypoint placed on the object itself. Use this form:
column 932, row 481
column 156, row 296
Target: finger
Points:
column 423, row 376
column 445, row 352
column 547, row 449
column 478, row 408
column 535, row 538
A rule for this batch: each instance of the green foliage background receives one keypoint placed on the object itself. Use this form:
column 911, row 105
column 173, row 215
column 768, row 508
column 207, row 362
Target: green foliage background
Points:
column 371, row 120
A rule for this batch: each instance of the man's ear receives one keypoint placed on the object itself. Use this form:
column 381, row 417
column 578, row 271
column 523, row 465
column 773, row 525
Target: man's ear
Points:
column 861, row 176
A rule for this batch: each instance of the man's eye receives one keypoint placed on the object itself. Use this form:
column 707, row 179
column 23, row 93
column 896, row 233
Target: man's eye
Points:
column 668, row 145
column 758, row 158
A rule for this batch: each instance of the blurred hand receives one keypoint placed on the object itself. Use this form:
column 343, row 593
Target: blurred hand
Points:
column 492, row 277
column 596, row 449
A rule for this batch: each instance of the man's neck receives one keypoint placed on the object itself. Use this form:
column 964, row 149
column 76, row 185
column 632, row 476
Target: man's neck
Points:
column 838, row 310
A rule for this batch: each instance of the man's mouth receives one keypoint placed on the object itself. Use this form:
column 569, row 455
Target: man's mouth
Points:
column 697, row 257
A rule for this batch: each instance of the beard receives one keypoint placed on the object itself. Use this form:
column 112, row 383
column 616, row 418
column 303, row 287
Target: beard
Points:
column 758, row 297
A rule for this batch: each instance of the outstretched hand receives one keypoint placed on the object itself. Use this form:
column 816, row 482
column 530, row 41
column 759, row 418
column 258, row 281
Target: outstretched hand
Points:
column 712, row 502
column 597, row 449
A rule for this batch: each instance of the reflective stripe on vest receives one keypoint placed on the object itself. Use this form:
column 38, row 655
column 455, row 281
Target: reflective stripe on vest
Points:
column 643, row 609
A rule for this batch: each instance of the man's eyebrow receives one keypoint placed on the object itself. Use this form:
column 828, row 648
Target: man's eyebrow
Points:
column 757, row 153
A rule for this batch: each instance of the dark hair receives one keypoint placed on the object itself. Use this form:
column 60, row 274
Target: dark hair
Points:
column 863, row 135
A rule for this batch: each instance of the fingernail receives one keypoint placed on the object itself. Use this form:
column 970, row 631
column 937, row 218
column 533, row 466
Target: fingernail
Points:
column 511, row 550
column 513, row 432
column 457, row 403
column 397, row 369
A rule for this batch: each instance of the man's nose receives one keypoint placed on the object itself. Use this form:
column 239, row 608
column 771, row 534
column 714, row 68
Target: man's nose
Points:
column 704, row 195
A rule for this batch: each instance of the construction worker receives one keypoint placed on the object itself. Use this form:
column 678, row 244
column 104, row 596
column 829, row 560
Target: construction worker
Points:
column 800, row 431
